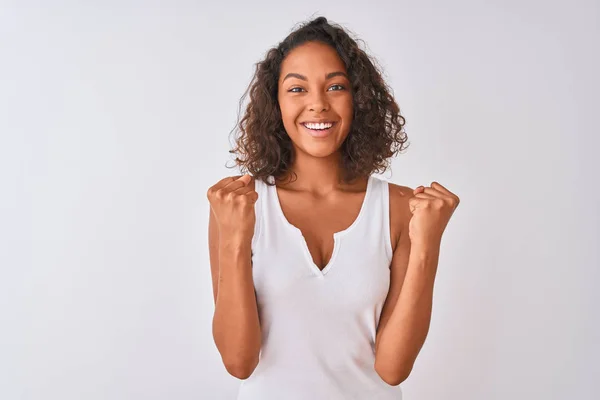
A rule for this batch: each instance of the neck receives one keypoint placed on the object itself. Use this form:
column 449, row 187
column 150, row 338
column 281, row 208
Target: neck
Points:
column 317, row 174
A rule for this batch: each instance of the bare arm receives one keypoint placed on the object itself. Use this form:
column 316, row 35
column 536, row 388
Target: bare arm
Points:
column 406, row 314
column 406, row 330
column 236, row 327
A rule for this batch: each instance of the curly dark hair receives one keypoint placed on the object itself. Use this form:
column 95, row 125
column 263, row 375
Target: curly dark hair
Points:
column 376, row 132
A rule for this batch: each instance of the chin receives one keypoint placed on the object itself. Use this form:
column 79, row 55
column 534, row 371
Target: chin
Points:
column 319, row 150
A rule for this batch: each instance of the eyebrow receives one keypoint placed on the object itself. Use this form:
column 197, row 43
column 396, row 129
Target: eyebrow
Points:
column 304, row 78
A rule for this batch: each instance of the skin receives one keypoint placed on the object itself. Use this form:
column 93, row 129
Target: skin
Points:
column 306, row 93
column 312, row 85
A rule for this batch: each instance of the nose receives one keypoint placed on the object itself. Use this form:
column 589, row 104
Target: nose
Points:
column 318, row 102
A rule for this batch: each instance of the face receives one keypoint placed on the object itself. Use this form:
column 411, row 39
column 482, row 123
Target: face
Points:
column 315, row 99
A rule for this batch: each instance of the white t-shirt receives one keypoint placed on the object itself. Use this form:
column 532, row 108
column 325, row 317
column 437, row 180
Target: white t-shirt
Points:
column 318, row 327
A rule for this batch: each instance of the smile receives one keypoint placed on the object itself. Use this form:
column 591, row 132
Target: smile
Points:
column 319, row 130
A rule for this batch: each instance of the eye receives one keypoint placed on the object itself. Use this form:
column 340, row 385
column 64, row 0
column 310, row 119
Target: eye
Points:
column 293, row 90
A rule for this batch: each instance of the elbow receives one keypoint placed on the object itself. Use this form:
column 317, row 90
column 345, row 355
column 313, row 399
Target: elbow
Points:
column 239, row 362
column 393, row 378
column 241, row 370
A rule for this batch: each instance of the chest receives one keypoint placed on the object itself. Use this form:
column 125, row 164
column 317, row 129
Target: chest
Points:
column 318, row 221
column 330, row 251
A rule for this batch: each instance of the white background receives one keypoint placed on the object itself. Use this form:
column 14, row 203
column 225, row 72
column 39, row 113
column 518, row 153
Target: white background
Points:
column 115, row 119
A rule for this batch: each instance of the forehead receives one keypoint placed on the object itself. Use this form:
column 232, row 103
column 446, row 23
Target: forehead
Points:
column 312, row 59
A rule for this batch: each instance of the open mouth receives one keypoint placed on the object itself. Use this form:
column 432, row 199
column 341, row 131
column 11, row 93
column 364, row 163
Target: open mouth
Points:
column 319, row 129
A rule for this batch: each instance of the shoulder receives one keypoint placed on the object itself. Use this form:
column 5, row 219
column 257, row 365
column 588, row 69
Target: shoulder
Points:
column 399, row 195
column 399, row 210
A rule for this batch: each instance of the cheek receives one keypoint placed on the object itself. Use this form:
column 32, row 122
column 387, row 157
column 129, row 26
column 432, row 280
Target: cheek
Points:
column 346, row 108
column 289, row 111
column 343, row 103
column 287, row 116
column 350, row 104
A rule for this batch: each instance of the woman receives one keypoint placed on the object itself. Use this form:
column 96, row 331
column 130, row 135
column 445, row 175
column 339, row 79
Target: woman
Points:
column 322, row 273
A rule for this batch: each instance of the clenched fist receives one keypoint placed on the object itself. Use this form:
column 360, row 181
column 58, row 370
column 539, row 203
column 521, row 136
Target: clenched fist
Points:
column 232, row 201
column 431, row 209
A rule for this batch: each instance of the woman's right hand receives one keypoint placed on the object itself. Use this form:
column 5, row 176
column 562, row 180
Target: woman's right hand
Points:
column 232, row 201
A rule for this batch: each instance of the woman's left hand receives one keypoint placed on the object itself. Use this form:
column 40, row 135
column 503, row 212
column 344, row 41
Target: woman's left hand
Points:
column 431, row 209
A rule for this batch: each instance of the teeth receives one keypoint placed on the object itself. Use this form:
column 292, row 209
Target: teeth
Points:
column 318, row 126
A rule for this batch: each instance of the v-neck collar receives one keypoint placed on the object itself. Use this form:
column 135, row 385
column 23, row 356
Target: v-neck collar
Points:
column 336, row 236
